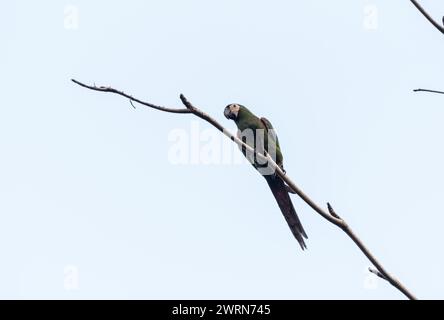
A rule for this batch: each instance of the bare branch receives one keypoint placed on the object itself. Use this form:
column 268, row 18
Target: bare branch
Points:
column 428, row 17
column 427, row 90
column 329, row 215
column 437, row 26
column 121, row 93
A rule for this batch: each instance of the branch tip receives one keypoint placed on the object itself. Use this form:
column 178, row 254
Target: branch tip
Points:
column 428, row 90
column 131, row 98
column 377, row 272
column 186, row 103
column 332, row 211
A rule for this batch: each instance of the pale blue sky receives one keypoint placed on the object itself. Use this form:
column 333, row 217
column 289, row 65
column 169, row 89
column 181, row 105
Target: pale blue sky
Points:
column 87, row 191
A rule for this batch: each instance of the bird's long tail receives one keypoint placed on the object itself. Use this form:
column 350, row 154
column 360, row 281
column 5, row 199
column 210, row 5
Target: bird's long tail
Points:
column 280, row 192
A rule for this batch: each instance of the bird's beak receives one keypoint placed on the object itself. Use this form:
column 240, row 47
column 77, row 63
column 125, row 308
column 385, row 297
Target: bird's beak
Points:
column 227, row 113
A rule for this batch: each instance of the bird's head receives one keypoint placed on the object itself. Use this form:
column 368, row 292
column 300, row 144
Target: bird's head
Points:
column 232, row 111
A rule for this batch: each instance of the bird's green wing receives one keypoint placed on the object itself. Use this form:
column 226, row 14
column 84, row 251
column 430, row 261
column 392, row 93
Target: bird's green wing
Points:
column 270, row 129
column 271, row 133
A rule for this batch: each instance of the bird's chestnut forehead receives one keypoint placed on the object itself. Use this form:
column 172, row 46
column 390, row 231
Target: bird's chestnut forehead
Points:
column 234, row 107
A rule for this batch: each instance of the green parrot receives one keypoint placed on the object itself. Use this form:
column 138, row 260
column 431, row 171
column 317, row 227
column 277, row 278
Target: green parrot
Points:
column 259, row 134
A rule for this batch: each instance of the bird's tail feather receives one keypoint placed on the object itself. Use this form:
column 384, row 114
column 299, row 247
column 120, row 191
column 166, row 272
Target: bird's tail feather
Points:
column 282, row 197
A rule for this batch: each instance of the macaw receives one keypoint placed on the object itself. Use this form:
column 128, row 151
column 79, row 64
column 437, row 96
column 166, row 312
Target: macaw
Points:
column 262, row 137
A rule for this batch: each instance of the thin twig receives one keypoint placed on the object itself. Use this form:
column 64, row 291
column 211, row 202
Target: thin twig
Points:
column 374, row 271
column 428, row 17
column 329, row 215
column 123, row 94
column 427, row 90
column 437, row 26
column 332, row 211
